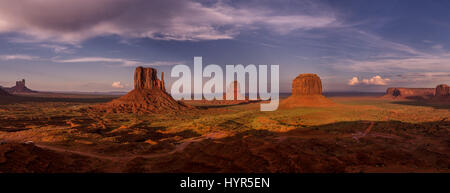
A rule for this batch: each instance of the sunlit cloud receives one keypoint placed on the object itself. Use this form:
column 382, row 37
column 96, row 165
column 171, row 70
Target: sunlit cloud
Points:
column 376, row 80
column 353, row 81
column 117, row 84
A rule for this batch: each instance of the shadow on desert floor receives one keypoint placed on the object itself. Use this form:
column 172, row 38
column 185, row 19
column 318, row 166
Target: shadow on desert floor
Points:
column 423, row 103
column 208, row 106
column 359, row 146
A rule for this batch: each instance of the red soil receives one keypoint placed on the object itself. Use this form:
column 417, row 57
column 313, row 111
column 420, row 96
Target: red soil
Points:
column 146, row 101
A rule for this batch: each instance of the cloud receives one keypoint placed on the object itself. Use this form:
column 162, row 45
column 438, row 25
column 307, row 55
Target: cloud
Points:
column 117, row 84
column 58, row 48
column 123, row 62
column 120, row 61
column 72, row 21
column 18, row 57
column 353, row 81
column 418, row 63
column 376, row 80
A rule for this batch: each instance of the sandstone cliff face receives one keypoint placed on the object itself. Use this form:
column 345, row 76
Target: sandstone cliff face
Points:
column 410, row 92
column 149, row 96
column 306, row 92
column 442, row 90
column 146, row 78
column 307, row 84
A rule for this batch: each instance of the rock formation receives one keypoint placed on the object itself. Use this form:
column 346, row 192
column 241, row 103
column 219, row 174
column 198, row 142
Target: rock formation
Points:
column 307, row 84
column 442, row 90
column 306, row 92
column 19, row 88
column 3, row 92
column 411, row 93
column 234, row 90
column 442, row 94
column 149, row 96
column 146, row 78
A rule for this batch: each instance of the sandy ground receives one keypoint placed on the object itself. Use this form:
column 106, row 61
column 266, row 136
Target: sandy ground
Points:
column 360, row 134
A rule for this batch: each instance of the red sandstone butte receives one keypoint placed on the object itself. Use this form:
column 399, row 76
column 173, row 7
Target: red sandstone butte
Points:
column 20, row 87
column 306, row 92
column 149, row 95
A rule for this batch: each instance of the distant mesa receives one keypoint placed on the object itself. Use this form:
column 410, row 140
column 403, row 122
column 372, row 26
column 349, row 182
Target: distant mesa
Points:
column 20, row 88
column 306, row 92
column 442, row 90
column 411, row 93
column 439, row 94
column 442, row 94
column 149, row 96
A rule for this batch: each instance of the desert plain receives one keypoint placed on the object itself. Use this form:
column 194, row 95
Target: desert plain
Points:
column 65, row 133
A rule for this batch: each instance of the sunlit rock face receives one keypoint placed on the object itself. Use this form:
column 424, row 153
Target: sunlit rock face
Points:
column 149, row 96
column 307, row 84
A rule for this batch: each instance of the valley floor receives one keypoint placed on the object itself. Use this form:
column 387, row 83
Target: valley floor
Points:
column 359, row 134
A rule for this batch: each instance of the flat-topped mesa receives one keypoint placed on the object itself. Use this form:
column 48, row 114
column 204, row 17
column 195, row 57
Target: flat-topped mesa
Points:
column 146, row 78
column 442, row 90
column 410, row 92
column 307, row 84
column 306, row 92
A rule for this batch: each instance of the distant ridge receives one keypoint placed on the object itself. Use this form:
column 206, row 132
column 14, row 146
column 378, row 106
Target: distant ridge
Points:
column 3, row 92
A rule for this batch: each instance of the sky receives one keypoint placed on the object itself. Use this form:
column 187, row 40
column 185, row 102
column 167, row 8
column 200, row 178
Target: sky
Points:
column 353, row 45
